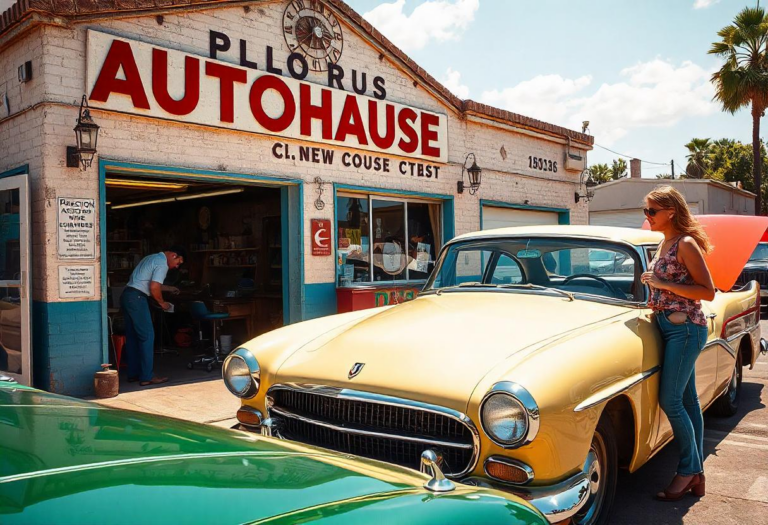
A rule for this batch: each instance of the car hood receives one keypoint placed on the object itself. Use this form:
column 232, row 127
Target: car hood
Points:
column 411, row 348
column 733, row 238
column 84, row 463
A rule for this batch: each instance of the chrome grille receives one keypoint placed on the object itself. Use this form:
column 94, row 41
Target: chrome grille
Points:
column 753, row 275
column 378, row 427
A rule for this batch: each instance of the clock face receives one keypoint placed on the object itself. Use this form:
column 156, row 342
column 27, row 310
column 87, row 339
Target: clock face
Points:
column 312, row 30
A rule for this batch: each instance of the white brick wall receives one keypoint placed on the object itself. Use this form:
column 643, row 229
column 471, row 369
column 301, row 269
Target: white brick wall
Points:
column 40, row 137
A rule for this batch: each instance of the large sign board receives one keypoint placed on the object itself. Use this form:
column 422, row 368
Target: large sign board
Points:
column 139, row 78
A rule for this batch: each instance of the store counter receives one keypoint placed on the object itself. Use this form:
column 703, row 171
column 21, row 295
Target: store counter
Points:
column 353, row 298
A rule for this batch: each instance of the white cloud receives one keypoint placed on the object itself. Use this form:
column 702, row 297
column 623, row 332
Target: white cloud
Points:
column 545, row 97
column 655, row 94
column 452, row 80
column 703, row 4
column 438, row 20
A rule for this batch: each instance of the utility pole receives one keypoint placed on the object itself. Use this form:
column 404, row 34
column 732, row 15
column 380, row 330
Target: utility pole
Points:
column 673, row 168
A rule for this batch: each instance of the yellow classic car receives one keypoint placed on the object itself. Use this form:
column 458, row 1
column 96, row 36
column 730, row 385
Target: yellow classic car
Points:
column 519, row 365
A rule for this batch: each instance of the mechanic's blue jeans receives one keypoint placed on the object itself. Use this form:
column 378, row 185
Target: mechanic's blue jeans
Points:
column 139, row 334
column 677, row 392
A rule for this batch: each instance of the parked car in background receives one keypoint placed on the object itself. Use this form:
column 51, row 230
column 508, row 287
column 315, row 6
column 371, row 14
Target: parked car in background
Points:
column 66, row 461
column 756, row 269
column 542, row 381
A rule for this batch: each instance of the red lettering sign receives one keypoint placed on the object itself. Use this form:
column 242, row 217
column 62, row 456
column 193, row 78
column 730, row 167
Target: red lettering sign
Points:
column 321, row 237
column 135, row 77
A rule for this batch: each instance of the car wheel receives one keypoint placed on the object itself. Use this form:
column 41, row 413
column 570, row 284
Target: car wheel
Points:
column 603, row 470
column 728, row 404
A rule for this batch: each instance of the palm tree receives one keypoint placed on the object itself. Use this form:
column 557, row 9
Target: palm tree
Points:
column 600, row 173
column 618, row 169
column 698, row 158
column 743, row 78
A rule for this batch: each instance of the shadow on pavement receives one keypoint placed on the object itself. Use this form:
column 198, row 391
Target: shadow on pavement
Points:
column 635, row 503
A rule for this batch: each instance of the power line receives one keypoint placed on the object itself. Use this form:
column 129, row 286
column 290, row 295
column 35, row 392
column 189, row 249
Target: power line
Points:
column 631, row 157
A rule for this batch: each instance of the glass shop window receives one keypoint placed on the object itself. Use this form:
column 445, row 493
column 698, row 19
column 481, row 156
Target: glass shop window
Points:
column 384, row 240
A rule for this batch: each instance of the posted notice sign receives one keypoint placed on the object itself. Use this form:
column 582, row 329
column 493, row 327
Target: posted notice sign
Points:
column 76, row 228
column 76, row 281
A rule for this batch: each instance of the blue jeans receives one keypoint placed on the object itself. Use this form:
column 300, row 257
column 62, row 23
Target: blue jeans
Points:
column 677, row 392
column 139, row 334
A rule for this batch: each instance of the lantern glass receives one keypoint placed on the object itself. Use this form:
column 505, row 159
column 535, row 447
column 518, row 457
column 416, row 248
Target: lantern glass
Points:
column 475, row 174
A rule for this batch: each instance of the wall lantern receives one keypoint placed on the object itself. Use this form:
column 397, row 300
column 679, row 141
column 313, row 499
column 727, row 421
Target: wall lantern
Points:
column 474, row 173
column 87, row 134
column 587, row 182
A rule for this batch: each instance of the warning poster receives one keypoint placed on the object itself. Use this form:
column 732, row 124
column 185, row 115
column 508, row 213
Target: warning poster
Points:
column 76, row 228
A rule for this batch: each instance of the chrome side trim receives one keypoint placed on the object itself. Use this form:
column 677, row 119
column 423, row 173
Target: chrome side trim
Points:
column 511, row 462
column 371, row 397
column 724, row 344
column 349, row 430
column 524, row 397
column 615, row 389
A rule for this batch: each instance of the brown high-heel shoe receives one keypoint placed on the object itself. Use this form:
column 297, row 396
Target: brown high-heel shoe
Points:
column 696, row 485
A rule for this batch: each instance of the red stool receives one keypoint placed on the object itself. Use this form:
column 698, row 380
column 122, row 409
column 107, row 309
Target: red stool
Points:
column 119, row 342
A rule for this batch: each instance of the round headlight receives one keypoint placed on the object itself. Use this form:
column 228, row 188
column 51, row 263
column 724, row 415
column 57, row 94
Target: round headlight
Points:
column 504, row 418
column 241, row 373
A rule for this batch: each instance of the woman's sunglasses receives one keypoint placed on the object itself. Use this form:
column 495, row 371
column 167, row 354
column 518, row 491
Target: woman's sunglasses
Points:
column 651, row 212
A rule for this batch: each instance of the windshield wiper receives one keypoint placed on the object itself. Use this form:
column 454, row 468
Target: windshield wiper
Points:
column 531, row 286
column 472, row 284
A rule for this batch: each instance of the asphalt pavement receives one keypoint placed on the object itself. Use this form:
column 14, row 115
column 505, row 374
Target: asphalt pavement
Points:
column 736, row 466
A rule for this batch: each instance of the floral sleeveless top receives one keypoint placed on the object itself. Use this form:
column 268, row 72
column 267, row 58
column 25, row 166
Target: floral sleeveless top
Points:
column 670, row 269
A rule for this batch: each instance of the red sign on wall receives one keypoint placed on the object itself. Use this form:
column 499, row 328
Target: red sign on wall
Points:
column 321, row 237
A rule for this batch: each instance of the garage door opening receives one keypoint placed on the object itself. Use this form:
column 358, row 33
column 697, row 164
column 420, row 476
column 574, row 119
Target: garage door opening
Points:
column 500, row 217
column 231, row 236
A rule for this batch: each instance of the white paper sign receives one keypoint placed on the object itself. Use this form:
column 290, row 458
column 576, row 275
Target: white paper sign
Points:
column 76, row 228
column 76, row 281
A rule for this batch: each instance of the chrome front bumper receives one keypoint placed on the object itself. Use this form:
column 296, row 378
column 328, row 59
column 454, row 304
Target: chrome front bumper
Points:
column 557, row 502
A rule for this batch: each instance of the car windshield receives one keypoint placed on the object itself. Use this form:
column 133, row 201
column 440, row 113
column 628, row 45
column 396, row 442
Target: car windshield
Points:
column 583, row 268
column 760, row 253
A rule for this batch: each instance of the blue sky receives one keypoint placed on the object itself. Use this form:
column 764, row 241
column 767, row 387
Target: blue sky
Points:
column 637, row 70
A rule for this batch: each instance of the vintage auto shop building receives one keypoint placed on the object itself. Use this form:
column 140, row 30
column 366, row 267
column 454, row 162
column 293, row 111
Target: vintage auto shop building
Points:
column 305, row 163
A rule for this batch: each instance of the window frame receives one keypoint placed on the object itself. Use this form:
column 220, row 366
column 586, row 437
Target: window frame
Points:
column 370, row 197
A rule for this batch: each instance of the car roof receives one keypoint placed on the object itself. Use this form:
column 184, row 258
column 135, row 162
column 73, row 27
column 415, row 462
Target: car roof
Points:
column 634, row 236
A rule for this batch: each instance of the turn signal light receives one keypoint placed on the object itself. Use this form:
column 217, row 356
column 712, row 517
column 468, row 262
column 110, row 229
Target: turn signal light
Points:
column 249, row 417
column 508, row 471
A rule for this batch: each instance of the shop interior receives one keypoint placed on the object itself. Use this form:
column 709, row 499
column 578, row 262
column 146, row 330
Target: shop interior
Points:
column 231, row 281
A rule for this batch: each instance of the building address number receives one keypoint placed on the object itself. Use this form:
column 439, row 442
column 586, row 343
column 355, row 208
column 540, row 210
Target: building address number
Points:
column 538, row 163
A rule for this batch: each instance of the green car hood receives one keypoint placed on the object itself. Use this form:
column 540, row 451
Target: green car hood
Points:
column 67, row 461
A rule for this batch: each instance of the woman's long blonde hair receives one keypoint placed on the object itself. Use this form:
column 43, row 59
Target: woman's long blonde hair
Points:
column 683, row 220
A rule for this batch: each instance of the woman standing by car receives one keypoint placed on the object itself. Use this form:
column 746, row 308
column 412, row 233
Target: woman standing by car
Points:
column 679, row 279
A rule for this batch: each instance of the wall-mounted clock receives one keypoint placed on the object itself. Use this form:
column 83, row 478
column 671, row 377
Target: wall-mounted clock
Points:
column 312, row 30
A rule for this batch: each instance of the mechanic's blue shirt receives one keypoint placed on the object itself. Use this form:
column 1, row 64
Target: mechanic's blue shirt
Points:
column 151, row 268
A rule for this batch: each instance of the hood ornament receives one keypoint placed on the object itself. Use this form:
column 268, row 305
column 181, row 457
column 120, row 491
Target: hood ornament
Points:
column 355, row 370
